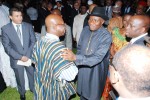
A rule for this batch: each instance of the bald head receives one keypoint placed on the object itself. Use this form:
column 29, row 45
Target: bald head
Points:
column 138, row 25
column 56, row 12
column 142, row 20
column 132, row 63
column 91, row 7
column 55, row 24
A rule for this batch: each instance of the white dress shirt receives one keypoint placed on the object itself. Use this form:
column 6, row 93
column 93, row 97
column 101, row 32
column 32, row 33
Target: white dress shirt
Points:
column 20, row 28
column 78, row 26
column 70, row 73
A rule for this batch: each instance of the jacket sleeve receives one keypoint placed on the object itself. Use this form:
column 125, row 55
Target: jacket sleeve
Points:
column 8, row 48
column 32, row 42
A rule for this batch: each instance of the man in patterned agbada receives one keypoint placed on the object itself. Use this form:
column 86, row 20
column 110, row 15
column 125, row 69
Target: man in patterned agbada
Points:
column 53, row 74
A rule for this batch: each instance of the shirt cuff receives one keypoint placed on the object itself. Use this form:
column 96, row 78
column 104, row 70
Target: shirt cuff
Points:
column 79, row 60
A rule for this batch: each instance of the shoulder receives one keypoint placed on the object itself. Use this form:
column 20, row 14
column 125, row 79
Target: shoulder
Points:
column 7, row 26
column 77, row 16
column 26, row 24
column 67, row 26
column 104, row 33
column 104, row 30
column 140, row 41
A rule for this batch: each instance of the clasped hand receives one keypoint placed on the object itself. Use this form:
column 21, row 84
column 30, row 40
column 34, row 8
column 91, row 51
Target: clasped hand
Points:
column 24, row 58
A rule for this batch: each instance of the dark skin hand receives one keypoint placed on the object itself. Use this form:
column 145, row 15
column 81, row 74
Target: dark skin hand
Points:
column 68, row 55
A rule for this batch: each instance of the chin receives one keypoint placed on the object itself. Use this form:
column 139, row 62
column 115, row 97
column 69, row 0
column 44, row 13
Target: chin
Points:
column 92, row 28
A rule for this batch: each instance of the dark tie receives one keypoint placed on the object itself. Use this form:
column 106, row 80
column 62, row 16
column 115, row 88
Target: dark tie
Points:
column 126, row 10
column 107, row 10
column 19, row 33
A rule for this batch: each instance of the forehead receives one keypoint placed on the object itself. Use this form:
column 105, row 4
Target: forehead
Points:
column 16, row 13
column 140, row 6
column 136, row 21
column 127, row 17
column 95, row 17
column 76, row 4
column 83, row 7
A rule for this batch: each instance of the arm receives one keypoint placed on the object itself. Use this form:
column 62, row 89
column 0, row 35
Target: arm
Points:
column 31, row 42
column 97, row 57
column 8, row 47
column 89, row 60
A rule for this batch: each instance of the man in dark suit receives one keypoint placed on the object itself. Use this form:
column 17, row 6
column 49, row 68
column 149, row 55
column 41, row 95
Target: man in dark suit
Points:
column 74, row 12
column 42, row 14
column 137, row 28
column 126, row 8
column 18, row 39
column 148, row 8
column 108, row 10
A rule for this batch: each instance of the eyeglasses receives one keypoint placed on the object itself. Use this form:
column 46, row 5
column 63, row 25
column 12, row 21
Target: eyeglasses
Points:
column 111, row 65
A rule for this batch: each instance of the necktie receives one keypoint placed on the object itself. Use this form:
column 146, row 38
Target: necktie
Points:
column 19, row 33
column 107, row 9
column 148, row 9
column 126, row 10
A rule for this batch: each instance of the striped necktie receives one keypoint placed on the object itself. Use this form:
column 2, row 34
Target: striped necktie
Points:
column 19, row 33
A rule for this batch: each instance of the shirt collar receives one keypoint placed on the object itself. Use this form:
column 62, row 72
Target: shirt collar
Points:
column 52, row 37
column 134, row 39
column 15, row 24
column 146, row 98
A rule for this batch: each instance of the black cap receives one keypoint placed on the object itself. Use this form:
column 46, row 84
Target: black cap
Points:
column 100, row 12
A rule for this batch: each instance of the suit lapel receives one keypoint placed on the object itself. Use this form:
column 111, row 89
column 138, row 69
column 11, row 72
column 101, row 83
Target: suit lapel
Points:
column 24, row 34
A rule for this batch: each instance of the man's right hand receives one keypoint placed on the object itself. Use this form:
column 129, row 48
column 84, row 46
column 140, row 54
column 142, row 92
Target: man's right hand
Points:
column 24, row 58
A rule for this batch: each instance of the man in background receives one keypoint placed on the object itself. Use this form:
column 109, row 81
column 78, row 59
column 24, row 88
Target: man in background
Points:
column 137, row 28
column 18, row 39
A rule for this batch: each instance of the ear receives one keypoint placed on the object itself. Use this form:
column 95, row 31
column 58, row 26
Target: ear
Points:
column 143, row 30
column 102, row 21
column 116, row 78
column 10, row 17
column 114, row 75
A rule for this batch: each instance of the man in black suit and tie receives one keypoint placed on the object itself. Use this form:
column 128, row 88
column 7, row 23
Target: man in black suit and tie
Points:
column 18, row 39
column 108, row 10
column 138, row 28
column 148, row 8
column 74, row 12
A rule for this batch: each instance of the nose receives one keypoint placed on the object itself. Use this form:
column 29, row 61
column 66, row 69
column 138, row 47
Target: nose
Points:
column 91, row 22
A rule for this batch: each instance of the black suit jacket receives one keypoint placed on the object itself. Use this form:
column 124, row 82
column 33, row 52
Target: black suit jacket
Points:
column 140, row 41
column 74, row 12
column 148, row 12
column 12, row 44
